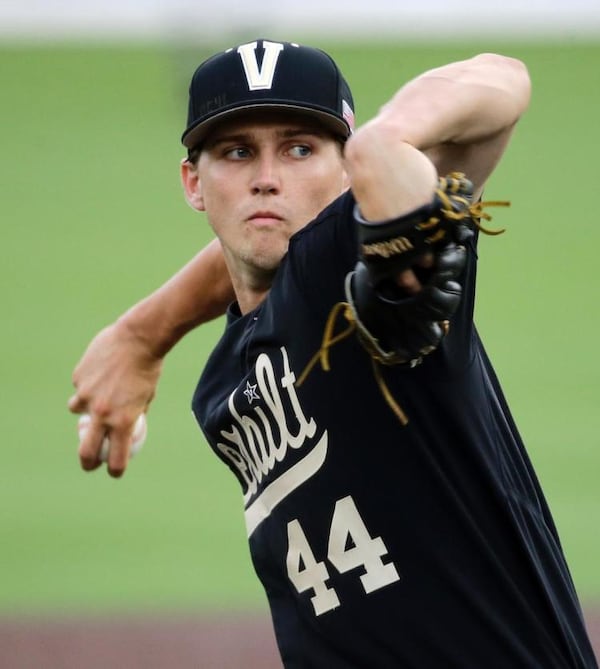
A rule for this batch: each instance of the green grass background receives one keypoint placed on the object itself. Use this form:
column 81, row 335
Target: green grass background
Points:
column 92, row 219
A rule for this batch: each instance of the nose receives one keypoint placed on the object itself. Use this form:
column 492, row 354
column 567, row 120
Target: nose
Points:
column 266, row 177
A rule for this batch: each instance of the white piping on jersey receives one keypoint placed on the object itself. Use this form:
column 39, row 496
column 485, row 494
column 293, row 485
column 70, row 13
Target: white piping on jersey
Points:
column 276, row 491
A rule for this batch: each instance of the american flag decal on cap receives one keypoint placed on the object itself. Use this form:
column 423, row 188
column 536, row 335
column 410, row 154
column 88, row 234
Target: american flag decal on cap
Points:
column 348, row 114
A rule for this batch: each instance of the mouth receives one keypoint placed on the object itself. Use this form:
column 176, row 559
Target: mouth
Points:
column 264, row 218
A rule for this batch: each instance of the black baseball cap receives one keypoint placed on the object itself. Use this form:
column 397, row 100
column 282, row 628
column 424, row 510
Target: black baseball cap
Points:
column 268, row 75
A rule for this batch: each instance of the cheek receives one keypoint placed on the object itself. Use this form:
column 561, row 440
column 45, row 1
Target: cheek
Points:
column 332, row 181
column 215, row 185
column 217, row 196
column 323, row 193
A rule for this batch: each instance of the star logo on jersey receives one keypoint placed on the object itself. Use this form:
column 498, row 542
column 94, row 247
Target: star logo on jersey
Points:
column 250, row 392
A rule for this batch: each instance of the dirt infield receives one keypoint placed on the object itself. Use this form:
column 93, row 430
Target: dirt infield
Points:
column 138, row 643
column 153, row 643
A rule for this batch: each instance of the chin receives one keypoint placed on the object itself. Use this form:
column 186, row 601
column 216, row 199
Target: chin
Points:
column 268, row 265
column 268, row 259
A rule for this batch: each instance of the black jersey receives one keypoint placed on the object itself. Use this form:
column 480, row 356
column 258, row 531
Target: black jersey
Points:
column 381, row 545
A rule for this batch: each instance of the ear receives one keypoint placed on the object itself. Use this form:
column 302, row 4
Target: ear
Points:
column 345, row 181
column 192, row 187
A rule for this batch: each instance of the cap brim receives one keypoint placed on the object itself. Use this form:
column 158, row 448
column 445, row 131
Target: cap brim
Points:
column 197, row 134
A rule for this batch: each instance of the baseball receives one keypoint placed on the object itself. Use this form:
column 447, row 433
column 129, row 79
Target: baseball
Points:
column 140, row 430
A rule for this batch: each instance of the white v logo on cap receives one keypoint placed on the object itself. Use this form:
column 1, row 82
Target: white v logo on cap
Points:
column 260, row 79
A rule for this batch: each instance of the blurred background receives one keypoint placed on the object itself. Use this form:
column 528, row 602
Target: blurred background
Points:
column 93, row 99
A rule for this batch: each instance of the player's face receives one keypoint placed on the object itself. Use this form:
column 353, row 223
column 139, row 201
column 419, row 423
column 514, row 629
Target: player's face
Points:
column 262, row 180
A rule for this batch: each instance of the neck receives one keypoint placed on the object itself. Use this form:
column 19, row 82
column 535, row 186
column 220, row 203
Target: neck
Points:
column 250, row 294
column 249, row 301
column 250, row 284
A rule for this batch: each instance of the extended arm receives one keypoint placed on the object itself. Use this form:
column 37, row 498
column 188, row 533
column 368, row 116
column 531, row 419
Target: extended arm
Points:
column 116, row 378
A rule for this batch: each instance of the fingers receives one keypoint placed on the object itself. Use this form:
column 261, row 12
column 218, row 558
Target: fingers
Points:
column 99, row 443
column 411, row 280
column 446, row 265
column 76, row 404
column 99, row 439
column 426, row 261
column 118, row 454
column 408, row 282
column 91, row 435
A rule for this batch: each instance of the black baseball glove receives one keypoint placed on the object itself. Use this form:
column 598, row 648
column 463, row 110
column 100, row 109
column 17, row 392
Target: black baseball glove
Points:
column 393, row 326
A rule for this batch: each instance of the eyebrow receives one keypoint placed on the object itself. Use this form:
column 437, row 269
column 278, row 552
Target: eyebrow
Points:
column 244, row 137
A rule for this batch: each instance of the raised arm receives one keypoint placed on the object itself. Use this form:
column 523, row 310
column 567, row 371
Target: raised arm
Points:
column 454, row 119
column 460, row 116
column 116, row 378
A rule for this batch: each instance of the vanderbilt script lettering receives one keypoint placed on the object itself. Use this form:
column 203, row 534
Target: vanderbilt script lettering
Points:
column 262, row 432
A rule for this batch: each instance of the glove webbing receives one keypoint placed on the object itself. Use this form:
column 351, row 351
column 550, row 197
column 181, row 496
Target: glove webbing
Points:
column 452, row 184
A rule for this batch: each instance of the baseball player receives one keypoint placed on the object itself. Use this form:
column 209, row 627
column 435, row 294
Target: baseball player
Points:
column 393, row 515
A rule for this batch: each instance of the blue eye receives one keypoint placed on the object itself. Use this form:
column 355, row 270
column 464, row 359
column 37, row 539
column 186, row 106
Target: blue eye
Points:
column 239, row 153
column 300, row 151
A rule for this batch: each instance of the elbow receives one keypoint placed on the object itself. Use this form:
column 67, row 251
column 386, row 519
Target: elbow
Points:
column 372, row 142
column 358, row 151
column 513, row 76
column 357, row 147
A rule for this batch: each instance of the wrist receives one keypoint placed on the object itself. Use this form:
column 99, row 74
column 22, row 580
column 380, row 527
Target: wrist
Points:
column 147, row 330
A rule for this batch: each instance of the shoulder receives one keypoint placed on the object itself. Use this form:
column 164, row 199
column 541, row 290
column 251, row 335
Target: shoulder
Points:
column 320, row 256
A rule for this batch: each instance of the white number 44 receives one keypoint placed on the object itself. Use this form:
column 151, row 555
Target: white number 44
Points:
column 350, row 545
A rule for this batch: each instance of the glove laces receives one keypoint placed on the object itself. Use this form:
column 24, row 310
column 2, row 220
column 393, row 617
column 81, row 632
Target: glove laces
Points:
column 330, row 339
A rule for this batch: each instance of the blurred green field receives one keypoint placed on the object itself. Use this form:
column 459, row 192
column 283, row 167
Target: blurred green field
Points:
column 93, row 218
